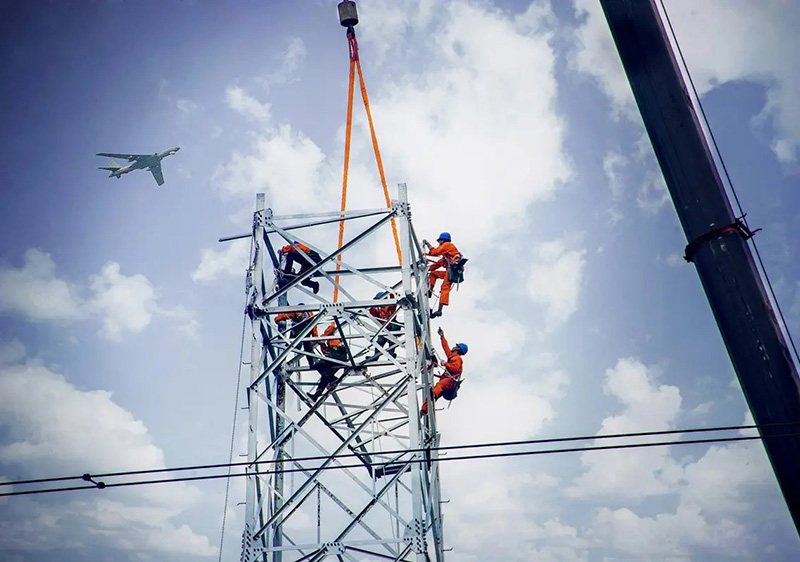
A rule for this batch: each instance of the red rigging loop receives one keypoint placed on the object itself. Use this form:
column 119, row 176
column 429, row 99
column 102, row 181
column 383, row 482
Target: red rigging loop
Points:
column 352, row 44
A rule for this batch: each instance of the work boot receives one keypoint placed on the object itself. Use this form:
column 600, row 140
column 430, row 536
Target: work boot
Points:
column 436, row 314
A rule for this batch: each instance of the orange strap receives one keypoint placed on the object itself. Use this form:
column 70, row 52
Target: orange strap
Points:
column 378, row 158
column 348, row 130
column 355, row 62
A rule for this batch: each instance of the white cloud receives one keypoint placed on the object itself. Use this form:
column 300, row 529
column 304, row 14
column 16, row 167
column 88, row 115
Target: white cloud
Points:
column 245, row 104
column 127, row 304
column 53, row 428
column 555, row 278
column 233, row 259
column 675, row 259
column 36, row 292
column 441, row 130
column 450, row 138
column 710, row 36
column 666, row 536
column 291, row 61
column 124, row 304
column 186, row 105
column 648, row 407
column 613, row 163
column 11, row 352
column 596, row 55
column 712, row 495
column 285, row 164
column 653, row 194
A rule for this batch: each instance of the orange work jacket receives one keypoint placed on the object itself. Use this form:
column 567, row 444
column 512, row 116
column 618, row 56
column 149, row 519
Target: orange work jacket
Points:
column 289, row 248
column 330, row 344
column 454, row 364
column 383, row 312
column 449, row 254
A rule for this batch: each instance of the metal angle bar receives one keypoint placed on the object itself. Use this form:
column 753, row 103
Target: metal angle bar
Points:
column 350, row 215
column 319, row 222
column 313, row 321
column 318, row 266
column 378, row 542
column 350, row 427
column 300, row 277
column 377, row 435
column 319, row 469
column 339, row 503
column 375, row 554
column 381, row 269
column 354, row 214
column 295, row 426
column 345, row 469
column 390, row 482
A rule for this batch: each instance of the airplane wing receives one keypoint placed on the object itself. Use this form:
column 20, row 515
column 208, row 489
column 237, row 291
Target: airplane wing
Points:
column 157, row 173
column 129, row 157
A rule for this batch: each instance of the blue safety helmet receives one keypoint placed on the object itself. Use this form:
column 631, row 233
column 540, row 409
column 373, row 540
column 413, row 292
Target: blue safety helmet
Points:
column 379, row 295
column 301, row 304
column 462, row 347
column 444, row 236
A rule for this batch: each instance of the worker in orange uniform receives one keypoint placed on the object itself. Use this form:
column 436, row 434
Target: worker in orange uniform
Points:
column 448, row 254
column 306, row 257
column 299, row 321
column 331, row 349
column 453, row 367
column 384, row 313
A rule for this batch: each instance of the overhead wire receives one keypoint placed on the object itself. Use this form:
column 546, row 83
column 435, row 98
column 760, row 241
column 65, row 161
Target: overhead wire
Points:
column 235, row 416
column 410, row 451
column 409, row 461
column 742, row 214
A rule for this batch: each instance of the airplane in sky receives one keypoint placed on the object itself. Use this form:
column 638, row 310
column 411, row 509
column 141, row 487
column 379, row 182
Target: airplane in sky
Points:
column 139, row 162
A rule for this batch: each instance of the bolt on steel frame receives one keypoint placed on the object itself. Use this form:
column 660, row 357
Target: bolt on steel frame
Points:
column 352, row 475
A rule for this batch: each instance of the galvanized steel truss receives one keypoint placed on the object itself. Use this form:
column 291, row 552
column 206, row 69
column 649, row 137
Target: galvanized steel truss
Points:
column 353, row 475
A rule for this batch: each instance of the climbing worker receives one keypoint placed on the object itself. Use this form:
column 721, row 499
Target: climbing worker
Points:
column 385, row 313
column 331, row 349
column 306, row 257
column 440, row 268
column 299, row 321
column 448, row 382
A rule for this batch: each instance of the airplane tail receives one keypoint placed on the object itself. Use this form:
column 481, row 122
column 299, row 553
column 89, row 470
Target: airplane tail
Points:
column 112, row 167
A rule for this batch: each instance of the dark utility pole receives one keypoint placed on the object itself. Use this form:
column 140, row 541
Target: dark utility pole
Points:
column 717, row 240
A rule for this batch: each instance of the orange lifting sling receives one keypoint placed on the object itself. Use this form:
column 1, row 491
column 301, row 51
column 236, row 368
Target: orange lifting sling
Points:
column 356, row 63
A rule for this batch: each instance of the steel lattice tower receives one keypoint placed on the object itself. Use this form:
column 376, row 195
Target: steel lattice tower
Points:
column 353, row 475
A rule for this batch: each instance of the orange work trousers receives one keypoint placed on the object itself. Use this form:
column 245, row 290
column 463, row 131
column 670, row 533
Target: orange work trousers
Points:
column 444, row 298
column 444, row 384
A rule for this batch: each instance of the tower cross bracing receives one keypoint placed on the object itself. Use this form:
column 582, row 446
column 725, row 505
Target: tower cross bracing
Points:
column 351, row 475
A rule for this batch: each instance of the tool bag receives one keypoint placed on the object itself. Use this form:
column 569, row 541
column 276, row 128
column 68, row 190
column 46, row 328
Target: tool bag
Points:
column 455, row 271
column 452, row 393
column 315, row 257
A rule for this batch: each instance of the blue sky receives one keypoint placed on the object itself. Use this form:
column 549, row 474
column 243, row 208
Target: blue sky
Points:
column 120, row 315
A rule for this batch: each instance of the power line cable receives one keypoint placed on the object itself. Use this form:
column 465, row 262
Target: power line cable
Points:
column 409, row 461
column 235, row 415
column 422, row 449
column 742, row 214
column 87, row 477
